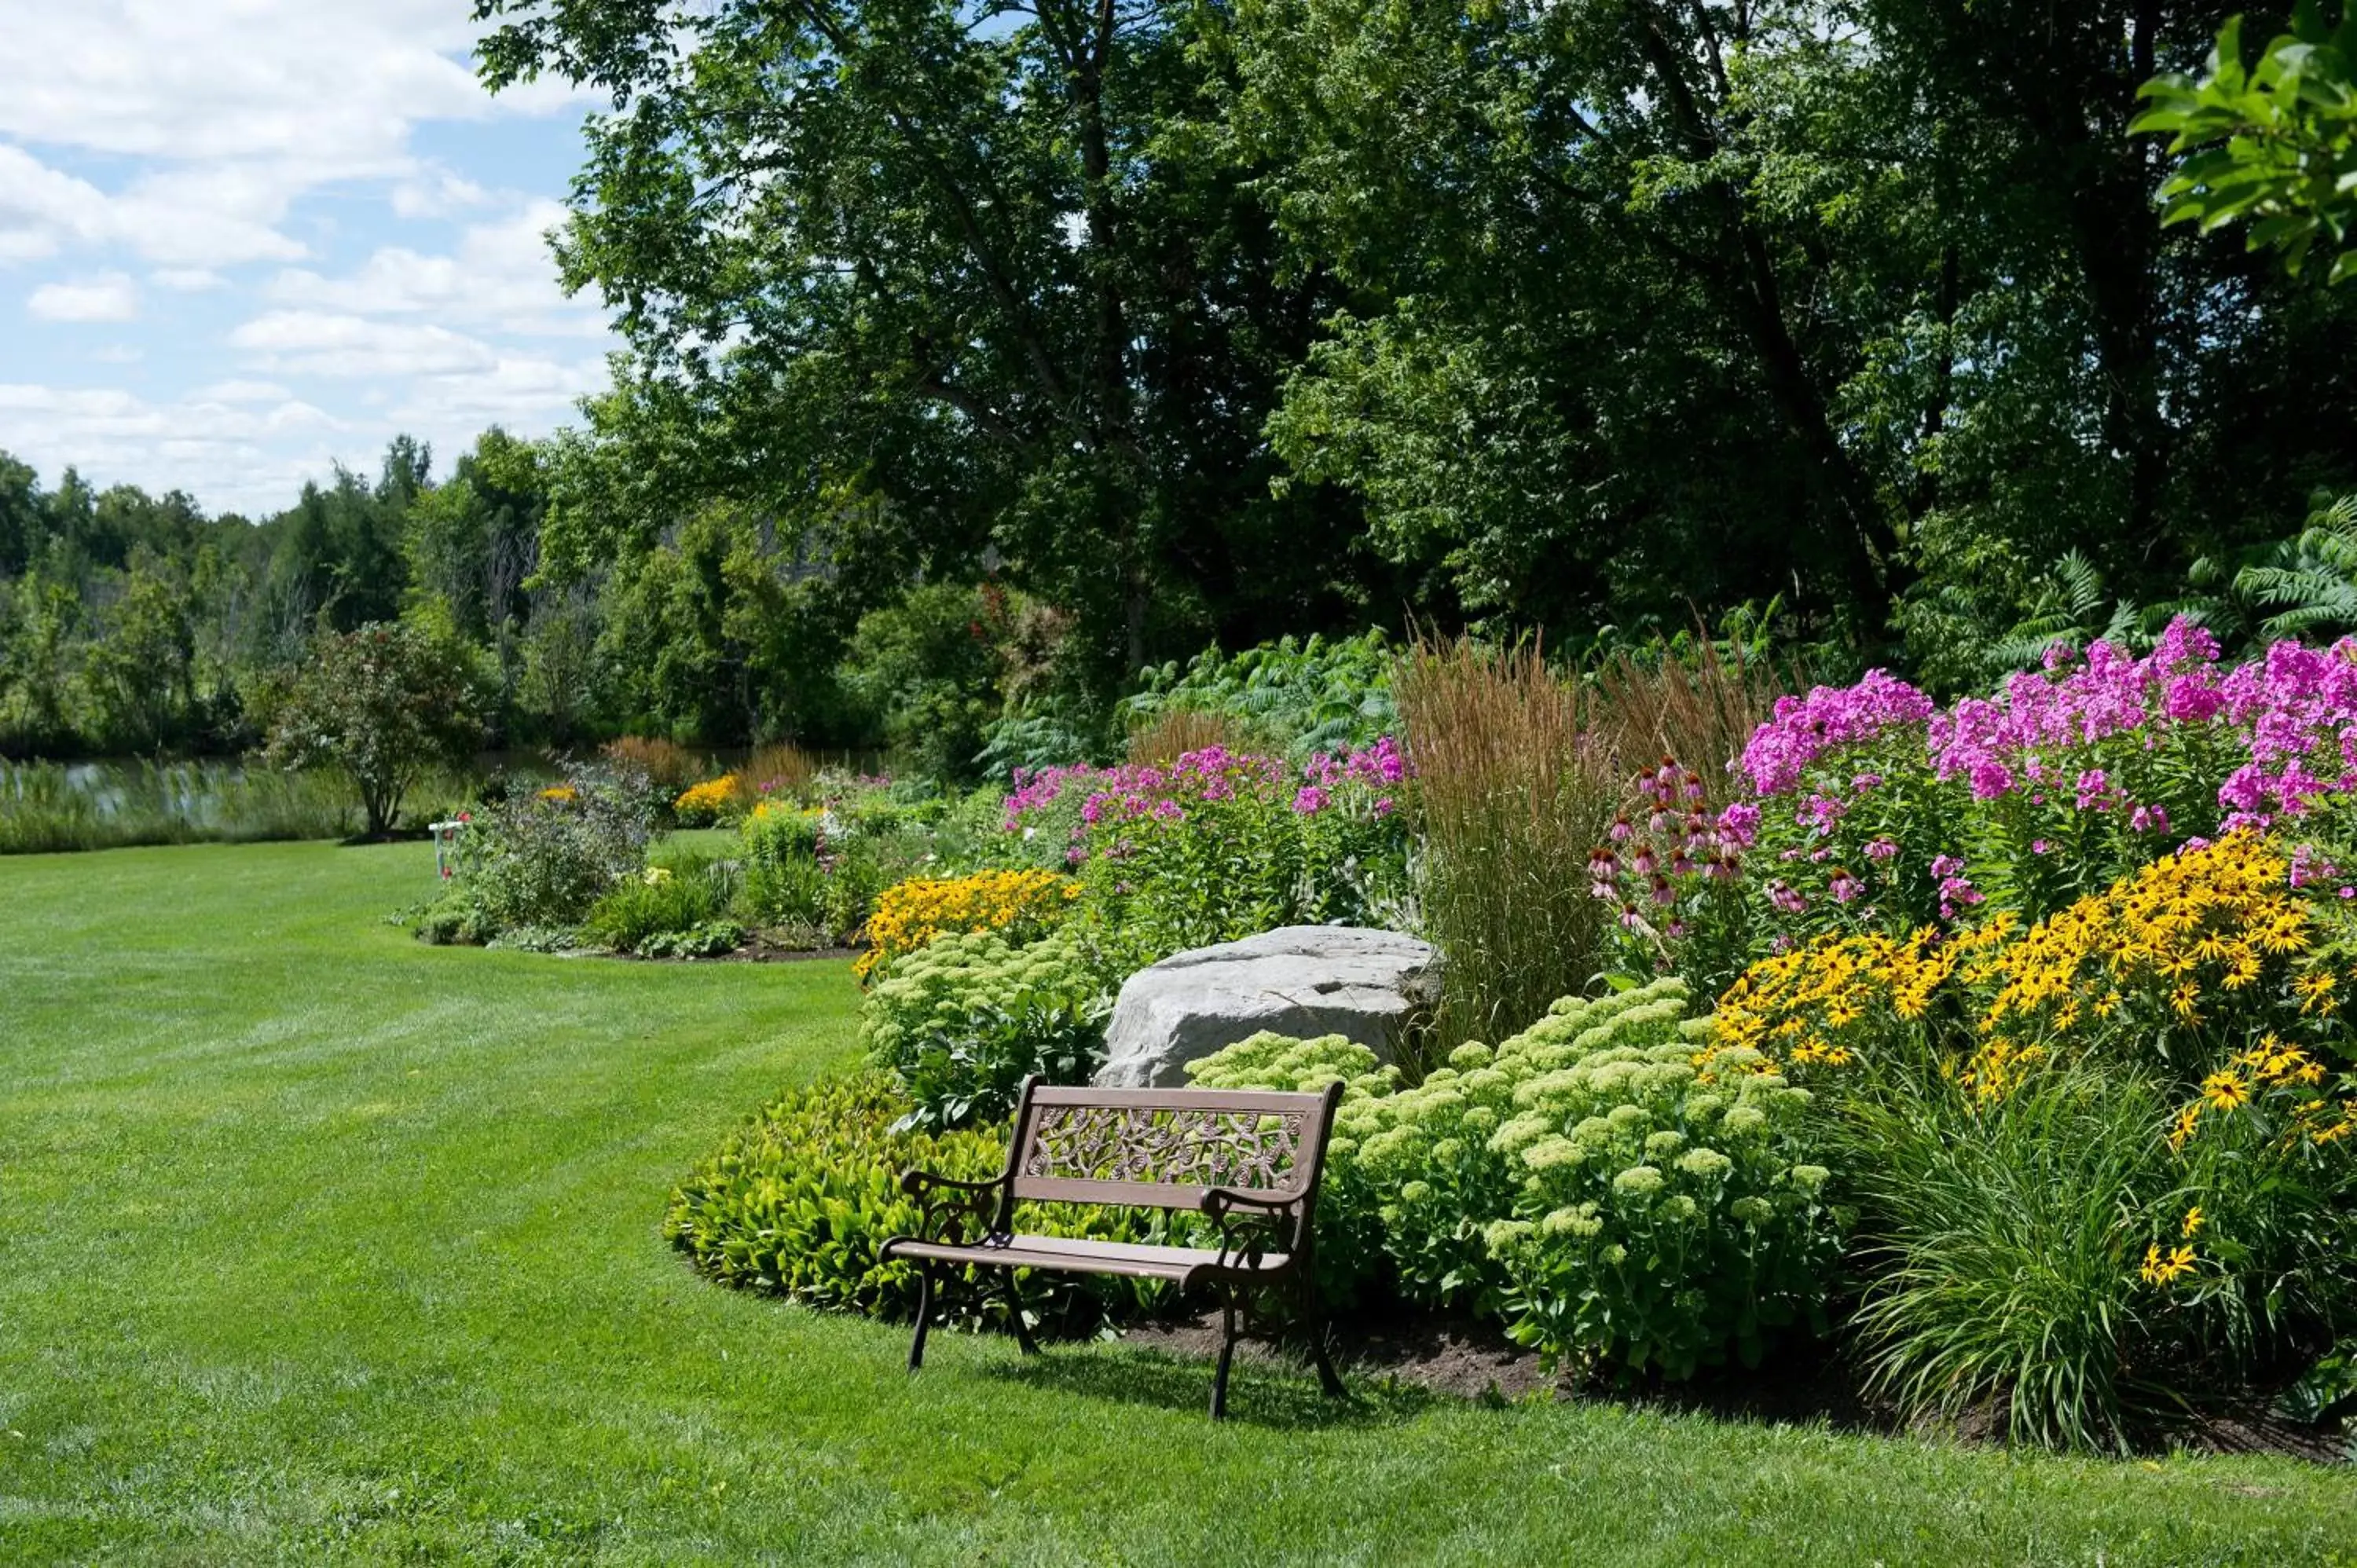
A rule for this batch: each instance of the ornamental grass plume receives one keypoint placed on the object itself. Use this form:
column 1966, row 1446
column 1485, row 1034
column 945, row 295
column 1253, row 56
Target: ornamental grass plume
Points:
column 1701, row 712
column 1513, row 791
column 1174, row 731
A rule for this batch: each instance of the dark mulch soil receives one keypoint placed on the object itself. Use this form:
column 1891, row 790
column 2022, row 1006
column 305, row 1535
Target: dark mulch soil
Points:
column 1467, row 1359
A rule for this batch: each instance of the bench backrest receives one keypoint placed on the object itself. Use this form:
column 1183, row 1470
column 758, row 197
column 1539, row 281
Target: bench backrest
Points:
column 1164, row 1148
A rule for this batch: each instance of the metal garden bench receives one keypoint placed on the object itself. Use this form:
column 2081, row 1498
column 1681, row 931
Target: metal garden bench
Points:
column 1247, row 1160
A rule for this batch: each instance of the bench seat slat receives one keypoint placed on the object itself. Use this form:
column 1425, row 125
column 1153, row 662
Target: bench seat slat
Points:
column 1084, row 1255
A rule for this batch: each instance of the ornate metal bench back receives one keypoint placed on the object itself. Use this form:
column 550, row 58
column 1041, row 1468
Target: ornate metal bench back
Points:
column 1164, row 1148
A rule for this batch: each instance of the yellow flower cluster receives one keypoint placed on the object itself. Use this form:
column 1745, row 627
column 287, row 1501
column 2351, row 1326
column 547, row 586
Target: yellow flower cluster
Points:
column 2166, row 1270
column 2212, row 918
column 1806, row 1006
column 910, row 914
column 560, row 794
column 708, row 799
column 2194, row 933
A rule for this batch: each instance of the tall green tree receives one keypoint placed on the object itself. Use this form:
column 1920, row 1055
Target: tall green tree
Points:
column 944, row 284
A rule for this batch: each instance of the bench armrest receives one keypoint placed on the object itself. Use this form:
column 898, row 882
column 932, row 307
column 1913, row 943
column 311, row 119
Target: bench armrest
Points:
column 1265, row 1225
column 954, row 1212
column 1217, row 1200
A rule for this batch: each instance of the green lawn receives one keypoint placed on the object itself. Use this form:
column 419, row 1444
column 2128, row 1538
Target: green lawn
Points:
column 318, row 1244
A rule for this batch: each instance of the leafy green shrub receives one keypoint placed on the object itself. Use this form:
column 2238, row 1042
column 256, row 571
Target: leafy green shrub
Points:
column 2063, row 1254
column 665, row 901
column 384, row 705
column 1584, row 1180
column 546, row 858
column 1664, row 1217
column 1324, row 695
column 784, row 884
column 705, row 938
column 798, row 1202
column 1350, row 1237
column 964, row 1019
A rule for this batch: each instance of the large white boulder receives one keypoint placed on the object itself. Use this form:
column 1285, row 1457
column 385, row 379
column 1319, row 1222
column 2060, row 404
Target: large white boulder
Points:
column 1297, row 980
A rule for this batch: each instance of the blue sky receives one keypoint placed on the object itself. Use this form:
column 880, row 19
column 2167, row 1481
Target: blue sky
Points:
column 241, row 240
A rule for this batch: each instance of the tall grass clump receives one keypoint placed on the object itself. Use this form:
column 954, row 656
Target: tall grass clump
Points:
column 1700, row 709
column 779, row 768
column 50, row 808
column 2003, row 1268
column 1513, row 794
column 1170, row 734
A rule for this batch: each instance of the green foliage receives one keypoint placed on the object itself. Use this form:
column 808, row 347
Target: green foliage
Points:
column 541, row 859
column 925, row 666
column 799, row 1202
column 666, row 902
column 963, row 1020
column 2271, row 145
column 1584, row 1180
column 784, row 884
column 382, row 704
column 2002, row 1268
column 1308, row 695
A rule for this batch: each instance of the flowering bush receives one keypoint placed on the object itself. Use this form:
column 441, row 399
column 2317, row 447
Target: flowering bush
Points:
column 1586, row 1179
column 1220, row 844
column 798, row 1202
column 543, row 860
column 965, row 1018
column 1875, row 810
column 1021, row 906
column 701, row 805
column 2198, row 999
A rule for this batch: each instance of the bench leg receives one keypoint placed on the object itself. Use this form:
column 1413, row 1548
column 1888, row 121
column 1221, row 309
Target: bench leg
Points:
column 1227, row 1355
column 1015, row 1310
column 924, row 1315
column 1327, row 1378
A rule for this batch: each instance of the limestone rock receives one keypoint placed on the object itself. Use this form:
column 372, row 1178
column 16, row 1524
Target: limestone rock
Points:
column 1297, row 980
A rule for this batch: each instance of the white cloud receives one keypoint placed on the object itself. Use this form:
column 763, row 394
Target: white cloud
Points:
column 108, row 297
column 240, row 392
column 168, row 148
column 41, row 209
column 437, row 193
column 115, row 437
column 319, row 343
column 502, row 276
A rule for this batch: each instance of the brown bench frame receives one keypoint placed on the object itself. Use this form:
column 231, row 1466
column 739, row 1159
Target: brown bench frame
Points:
column 1250, row 1160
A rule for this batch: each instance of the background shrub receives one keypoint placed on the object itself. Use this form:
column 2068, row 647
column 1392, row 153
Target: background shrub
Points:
column 799, row 1201
column 667, row 767
column 384, row 706
column 963, row 1020
column 784, row 884
column 679, row 895
column 545, row 858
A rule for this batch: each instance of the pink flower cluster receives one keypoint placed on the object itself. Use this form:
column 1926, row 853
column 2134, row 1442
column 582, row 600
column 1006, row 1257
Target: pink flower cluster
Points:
column 1670, row 840
column 1165, row 792
column 1805, row 728
column 2294, row 712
